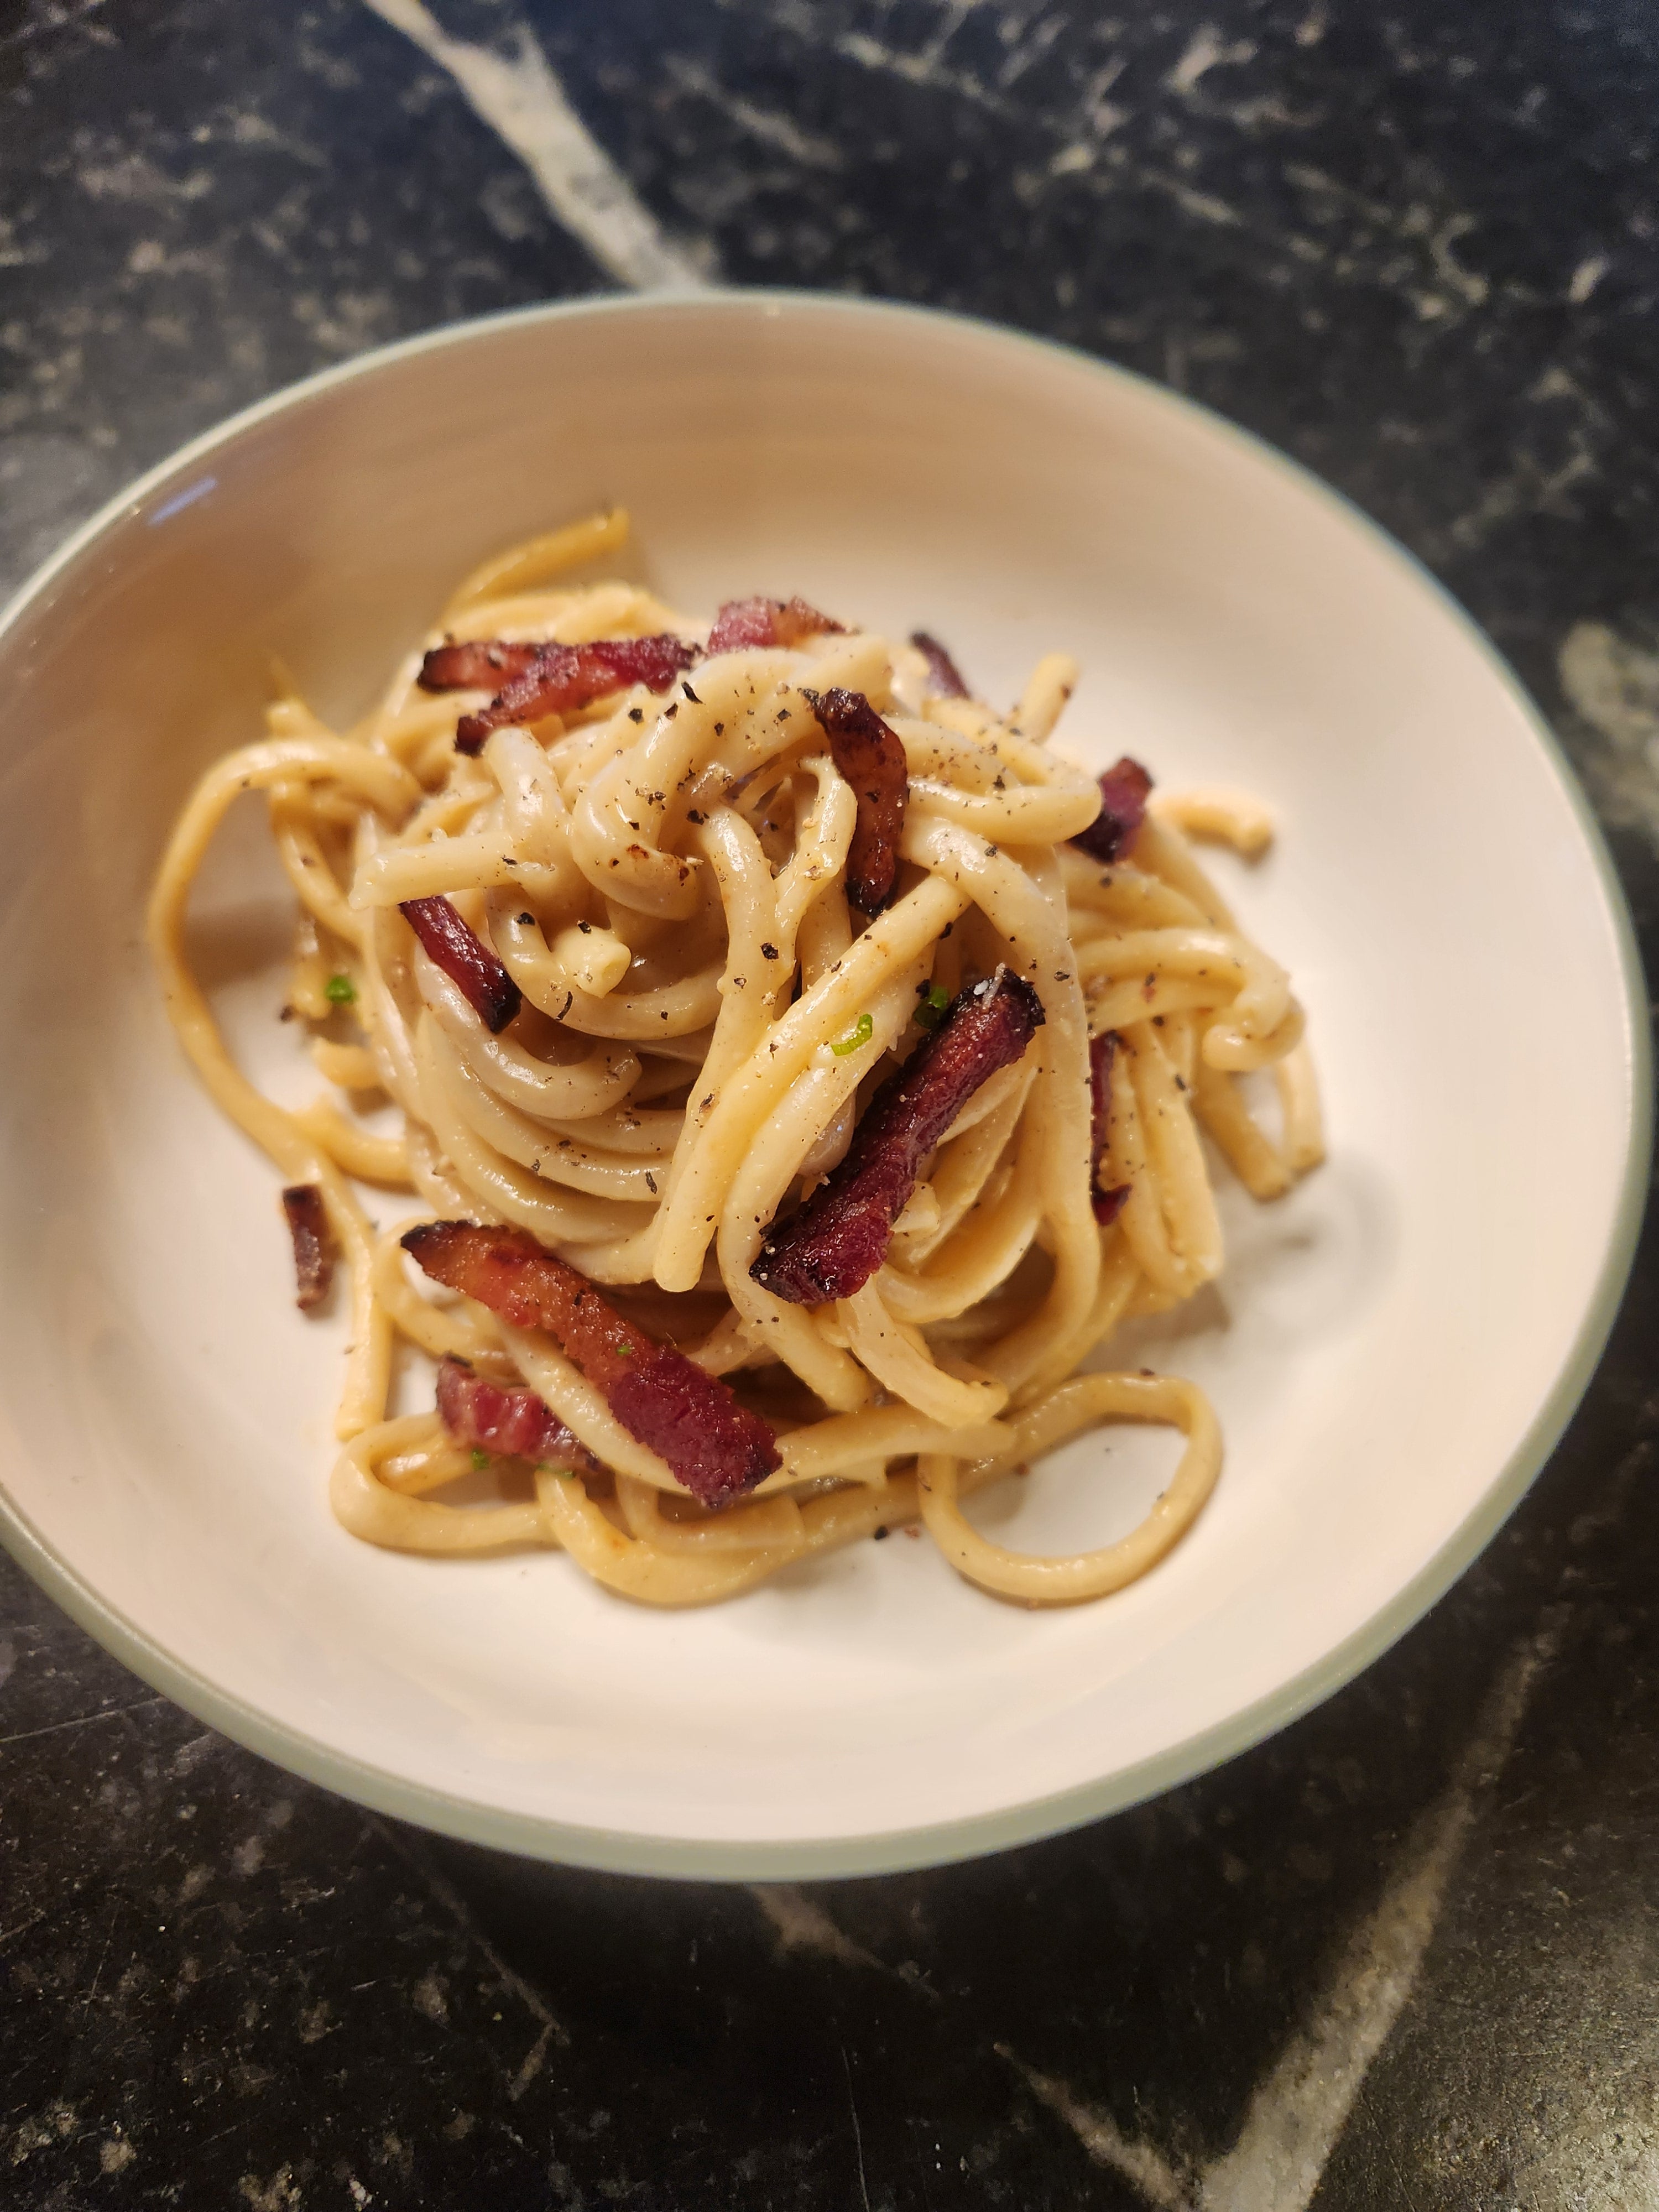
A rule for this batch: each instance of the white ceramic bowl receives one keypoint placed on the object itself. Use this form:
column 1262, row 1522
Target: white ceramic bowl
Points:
column 1393, row 1350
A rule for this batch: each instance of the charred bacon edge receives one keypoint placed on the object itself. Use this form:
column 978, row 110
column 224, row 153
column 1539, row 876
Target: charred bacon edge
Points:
column 832, row 1247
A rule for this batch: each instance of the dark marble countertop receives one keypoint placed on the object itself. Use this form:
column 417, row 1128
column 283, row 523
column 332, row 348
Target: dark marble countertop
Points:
column 1405, row 1958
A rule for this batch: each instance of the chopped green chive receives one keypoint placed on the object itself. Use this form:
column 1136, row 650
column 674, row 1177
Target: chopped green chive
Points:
column 340, row 991
column 931, row 1002
column 860, row 1034
column 626, row 1351
column 480, row 1460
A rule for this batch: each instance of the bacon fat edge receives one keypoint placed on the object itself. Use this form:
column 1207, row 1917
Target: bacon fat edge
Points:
column 715, row 1447
column 832, row 1247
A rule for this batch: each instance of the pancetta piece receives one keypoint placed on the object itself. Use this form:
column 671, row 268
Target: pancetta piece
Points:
column 560, row 678
column 872, row 758
column 944, row 678
column 483, row 663
column 516, row 1421
column 1123, row 790
column 766, row 622
column 466, row 959
column 716, row 1447
column 832, row 1247
column 314, row 1242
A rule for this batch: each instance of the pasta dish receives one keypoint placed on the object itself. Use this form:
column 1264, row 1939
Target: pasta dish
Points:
column 801, row 1069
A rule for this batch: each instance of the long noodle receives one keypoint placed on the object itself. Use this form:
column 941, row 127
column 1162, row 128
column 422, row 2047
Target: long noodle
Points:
column 703, row 1017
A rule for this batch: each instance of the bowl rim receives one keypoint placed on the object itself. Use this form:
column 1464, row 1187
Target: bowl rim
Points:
column 962, row 1837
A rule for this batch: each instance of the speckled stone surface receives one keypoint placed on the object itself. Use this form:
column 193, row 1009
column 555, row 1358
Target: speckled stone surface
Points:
column 1405, row 1956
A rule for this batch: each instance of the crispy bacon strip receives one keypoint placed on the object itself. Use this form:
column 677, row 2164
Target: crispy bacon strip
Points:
column 871, row 757
column 1108, row 1204
column 946, row 676
column 483, row 663
column 519, row 1422
column 314, row 1242
column 1123, row 790
column 767, row 622
column 466, row 959
column 833, row 1246
column 560, row 678
column 715, row 1447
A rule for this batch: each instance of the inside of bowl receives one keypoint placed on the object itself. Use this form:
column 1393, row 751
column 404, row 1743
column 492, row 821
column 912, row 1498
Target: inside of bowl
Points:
column 1389, row 1350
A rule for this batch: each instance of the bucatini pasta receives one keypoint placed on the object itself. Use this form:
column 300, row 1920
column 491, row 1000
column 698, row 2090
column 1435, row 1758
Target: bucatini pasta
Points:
column 802, row 1069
